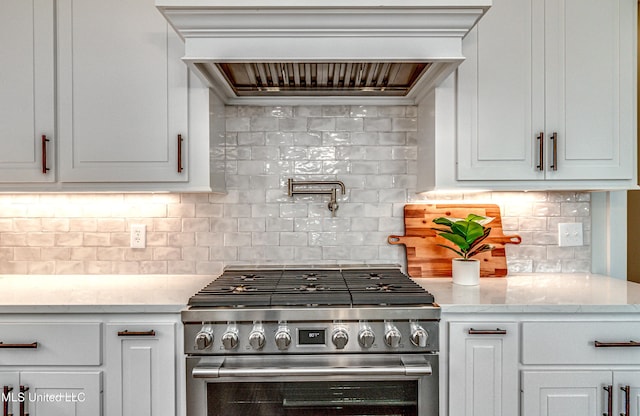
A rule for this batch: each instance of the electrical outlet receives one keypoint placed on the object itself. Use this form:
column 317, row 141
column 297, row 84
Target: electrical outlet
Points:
column 138, row 236
column 570, row 234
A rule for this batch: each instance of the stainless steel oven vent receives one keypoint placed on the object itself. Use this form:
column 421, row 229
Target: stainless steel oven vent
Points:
column 322, row 78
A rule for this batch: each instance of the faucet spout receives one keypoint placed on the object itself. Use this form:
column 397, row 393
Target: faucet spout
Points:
column 308, row 190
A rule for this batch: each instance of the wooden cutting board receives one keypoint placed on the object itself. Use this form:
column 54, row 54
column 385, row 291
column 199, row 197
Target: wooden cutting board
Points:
column 425, row 258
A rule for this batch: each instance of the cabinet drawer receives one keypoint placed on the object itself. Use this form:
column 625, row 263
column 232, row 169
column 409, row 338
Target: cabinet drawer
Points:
column 575, row 342
column 57, row 343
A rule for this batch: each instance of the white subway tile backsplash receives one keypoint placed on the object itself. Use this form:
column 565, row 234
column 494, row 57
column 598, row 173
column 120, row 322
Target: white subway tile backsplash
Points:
column 363, row 111
column 336, row 111
column 238, row 239
column 321, row 124
column 575, row 209
column 372, row 149
column 404, row 124
column 280, row 224
column 265, row 239
column 377, row 124
column 251, row 224
column 312, row 138
column 549, row 266
column 350, row 124
column 307, row 111
column 292, row 124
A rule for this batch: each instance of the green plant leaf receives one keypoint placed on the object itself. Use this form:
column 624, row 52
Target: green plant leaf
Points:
column 481, row 249
column 470, row 230
column 474, row 217
column 486, row 233
column 443, row 221
column 457, row 240
column 467, row 234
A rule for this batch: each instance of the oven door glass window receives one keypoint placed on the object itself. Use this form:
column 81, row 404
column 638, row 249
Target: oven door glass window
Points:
column 313, row 398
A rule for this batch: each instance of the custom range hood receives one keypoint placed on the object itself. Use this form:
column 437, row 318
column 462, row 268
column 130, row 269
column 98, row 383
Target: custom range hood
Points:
column 316, row 51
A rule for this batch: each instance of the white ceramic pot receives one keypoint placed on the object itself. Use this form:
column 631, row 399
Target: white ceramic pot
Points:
column 465, row 272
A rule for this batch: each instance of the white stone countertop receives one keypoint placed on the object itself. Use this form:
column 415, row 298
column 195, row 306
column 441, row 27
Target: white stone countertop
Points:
column 98, row 293
column 537, row 293
column 517, row 293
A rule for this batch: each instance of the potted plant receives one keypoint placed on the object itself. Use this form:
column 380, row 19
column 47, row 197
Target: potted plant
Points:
column 467, row 234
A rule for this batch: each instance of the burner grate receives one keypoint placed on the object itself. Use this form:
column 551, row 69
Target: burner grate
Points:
column 312, row 288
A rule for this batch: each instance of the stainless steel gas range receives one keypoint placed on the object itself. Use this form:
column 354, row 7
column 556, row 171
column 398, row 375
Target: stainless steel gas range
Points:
column 358, row 340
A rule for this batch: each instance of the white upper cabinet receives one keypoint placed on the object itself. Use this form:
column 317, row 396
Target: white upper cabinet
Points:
column 590, row 88
column 27, row 91
column 122, row 93
column 547, row 93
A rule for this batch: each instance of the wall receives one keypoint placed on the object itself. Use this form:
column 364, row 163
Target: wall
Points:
column 371, row 149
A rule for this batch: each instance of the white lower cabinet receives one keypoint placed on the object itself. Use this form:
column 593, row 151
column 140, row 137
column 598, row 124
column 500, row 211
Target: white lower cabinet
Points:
column 51, row 366
column 565, row 393
column 626, row 393
column 10, row 385
column 51, row 393
column 580, row 393
column 61, row 393
column 113, row 364
column 141, row 363
column 483, row 368
column 541, row 364
column 580, row 367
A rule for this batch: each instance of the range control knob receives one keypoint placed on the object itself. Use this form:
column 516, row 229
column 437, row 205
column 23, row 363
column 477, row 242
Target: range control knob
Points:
column 230, row 339
column 340, row 337
column 392, row 336
column 257, row 338
column 419, row 335
column 366, row 337
column 204, row 339
column 283, row 338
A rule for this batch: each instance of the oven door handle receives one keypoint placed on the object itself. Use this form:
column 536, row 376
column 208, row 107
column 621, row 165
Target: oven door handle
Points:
column 410, row 366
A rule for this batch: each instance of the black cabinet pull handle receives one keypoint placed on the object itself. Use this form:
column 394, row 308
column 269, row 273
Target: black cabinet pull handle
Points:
column 599, row 344
column 554, row 162
column 609, row 390
column 540, row 139
column 627, row 400
column 5, row 400
column 33, row 345
column 44, row 141
column 180, row 140
column 496, row 331
column 127, row 333
column 23, row 390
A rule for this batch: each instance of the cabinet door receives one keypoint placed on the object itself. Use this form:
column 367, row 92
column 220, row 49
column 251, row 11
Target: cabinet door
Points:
column 141, row 369
column 501, row 94
column 122, row 92
column 26, row 90
column 623, row 380
column 483, row 369
column 62, row 393
column 9, row 389
column 590, row 87
column 566, row 393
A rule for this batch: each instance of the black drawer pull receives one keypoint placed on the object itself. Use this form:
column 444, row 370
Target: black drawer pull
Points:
column 599, row 344
column 496, row 331
column 32, row 345
column 127, row 333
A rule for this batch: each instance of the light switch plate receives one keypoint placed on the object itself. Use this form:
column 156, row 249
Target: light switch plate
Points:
column 570, row 234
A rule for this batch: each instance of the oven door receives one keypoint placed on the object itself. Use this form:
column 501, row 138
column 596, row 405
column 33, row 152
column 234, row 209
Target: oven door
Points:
column 313, row 385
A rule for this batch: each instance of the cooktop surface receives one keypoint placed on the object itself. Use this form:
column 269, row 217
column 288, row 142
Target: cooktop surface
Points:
column 309, row 287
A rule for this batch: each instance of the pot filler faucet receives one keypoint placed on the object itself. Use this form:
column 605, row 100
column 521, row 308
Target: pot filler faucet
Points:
column 333, row 203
